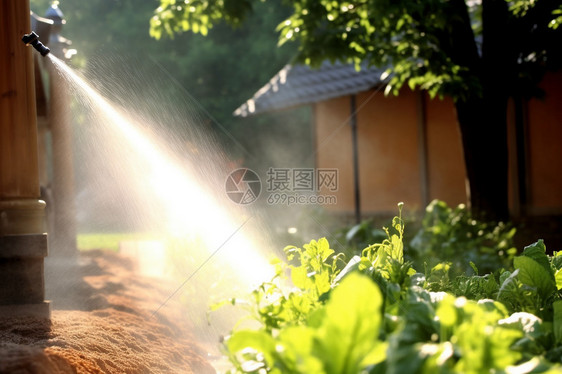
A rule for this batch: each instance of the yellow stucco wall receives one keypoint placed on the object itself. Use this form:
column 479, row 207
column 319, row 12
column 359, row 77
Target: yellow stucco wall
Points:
column 389, row 151
column 446, row 172
column 334, row 150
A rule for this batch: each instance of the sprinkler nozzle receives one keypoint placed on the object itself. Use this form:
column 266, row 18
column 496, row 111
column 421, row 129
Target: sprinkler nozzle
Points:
column 33, row 39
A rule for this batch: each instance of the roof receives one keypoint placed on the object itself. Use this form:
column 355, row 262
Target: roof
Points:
column 301, row 84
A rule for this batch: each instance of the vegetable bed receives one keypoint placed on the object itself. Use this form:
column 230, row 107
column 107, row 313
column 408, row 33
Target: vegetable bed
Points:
column 377, row 314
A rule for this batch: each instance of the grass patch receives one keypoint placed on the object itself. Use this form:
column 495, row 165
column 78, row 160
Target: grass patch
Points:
column 87, row 241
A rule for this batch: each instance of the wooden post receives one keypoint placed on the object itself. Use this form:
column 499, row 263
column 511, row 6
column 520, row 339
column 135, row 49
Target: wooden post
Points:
column 63, row 236
column 23, row 242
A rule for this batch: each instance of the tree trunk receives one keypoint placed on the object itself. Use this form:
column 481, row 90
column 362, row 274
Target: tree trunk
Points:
column 482, row 113
column 484, row 136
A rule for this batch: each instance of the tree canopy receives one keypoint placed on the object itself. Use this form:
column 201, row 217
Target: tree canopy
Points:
column 479, row 52
column 217, row 72
column 211, row 74
column 422, row 43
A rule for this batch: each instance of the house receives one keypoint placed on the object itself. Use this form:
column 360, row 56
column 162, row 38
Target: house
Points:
column 408, row 147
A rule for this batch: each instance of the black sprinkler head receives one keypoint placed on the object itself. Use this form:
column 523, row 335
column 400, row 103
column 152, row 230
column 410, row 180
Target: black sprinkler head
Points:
column 33, row 39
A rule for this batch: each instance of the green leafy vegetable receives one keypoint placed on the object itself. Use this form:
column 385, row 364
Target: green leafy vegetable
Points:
column 378, row 315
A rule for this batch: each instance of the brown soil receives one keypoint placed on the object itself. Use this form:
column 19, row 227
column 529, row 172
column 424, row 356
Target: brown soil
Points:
column 102, row 321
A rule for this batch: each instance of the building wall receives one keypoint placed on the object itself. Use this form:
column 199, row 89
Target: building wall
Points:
column 389, row 144
column 446, row 172
column 334, row 149
column 391, row 147
column 388, row 151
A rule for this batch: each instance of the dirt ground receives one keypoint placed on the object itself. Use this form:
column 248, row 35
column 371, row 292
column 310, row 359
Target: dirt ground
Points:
column 102, row 321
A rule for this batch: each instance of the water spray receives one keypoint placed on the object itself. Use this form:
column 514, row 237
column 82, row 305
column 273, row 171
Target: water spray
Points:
column 33, row 39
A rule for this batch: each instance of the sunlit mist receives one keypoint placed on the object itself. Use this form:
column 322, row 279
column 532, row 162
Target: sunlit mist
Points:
column 190, row 211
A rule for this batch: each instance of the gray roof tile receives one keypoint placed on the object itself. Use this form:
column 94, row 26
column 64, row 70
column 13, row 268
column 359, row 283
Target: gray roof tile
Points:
column 300, row 85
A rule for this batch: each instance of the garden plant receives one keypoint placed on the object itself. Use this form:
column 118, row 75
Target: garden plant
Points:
column 376, row 313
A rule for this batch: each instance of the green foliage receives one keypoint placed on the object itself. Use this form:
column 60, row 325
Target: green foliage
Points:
column 447, row 232
column 359, row 236
column 479, row 53
column 305, row 330
column 209, row 76
column 522, row 7
column 378, row 315
column 313, row 273
column 88, row 241
column 197, row 16
column 429, row 44
column 382, row 256
column 532, row 286
column 338, row 337
column 557, row 20
column 443, row 233
column 470, row 324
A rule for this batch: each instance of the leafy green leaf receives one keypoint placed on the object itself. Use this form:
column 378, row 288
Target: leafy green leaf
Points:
column 256, row 340
column 347, row 338
column 535, row 275
column 537, row 251
column 295, row 350
column 558, row 278
column 299, row 276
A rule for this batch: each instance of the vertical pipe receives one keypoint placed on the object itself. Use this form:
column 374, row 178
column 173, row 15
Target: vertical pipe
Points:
column 355, row 145
column 63, row 238
column 64, row 235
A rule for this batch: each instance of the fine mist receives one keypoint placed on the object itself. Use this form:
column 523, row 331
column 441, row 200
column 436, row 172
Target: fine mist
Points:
column 147, row 161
